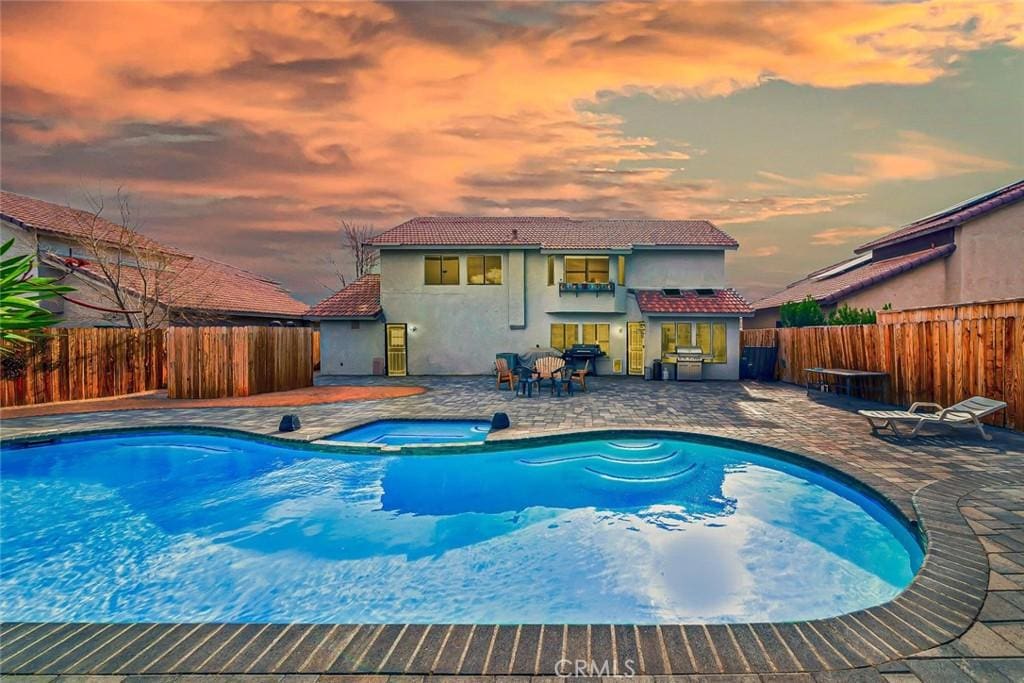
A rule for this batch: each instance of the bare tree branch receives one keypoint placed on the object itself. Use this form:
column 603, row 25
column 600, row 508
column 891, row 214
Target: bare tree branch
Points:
column 147, row 284
column 365, row 258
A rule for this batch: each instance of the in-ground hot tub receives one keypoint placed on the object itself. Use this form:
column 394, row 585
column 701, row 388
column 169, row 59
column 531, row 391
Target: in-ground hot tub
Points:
column 416, row 432
column 635, row 528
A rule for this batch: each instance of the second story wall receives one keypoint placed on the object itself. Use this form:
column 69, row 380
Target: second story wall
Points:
column 655, row 268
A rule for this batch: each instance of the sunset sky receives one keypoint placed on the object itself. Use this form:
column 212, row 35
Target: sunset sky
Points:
column 244, row 132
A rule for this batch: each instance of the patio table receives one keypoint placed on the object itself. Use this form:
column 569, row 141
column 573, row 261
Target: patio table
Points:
column 846, row 379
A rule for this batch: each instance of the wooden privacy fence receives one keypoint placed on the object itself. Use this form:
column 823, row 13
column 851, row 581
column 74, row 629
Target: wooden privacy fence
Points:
column 83, row 363
column 214, row 362
column 939, row 360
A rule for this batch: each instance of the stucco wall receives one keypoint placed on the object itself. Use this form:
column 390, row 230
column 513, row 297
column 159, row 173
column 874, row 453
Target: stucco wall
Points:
column 654, row 269
column 457, row 329
column 987, row 262
column 348, row 351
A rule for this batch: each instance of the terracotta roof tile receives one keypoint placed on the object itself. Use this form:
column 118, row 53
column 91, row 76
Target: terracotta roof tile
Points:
column 63, row 220
column 692, row 301
column 361, row 299
column 202, row 285
column 828, row 290
column 953, row 216
column 554, row 233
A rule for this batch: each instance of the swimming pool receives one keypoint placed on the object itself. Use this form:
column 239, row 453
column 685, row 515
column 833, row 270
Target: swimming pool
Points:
column 416, row 432
column 633, row 529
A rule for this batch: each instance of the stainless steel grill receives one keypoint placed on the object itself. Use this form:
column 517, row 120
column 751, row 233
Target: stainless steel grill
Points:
column 689, row 363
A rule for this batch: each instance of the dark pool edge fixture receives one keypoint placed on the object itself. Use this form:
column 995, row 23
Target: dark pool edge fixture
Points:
column 940, row 604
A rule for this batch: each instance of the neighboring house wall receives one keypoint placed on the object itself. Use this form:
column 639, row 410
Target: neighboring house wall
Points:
column 349, row 347
column 985, row 266
column 987, row 262
column 25, row 241
column 922, row 286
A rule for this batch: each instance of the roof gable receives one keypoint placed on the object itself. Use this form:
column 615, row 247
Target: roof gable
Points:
column 361, row 299
column 554, row 233
column 951, row 217
column 827, row 290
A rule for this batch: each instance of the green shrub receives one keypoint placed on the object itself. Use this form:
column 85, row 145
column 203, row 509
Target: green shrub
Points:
column 801, row 313
column 845, row 315
column 21, row 316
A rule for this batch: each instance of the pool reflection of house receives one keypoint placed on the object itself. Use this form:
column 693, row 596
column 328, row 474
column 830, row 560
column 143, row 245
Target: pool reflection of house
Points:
column 454, row 291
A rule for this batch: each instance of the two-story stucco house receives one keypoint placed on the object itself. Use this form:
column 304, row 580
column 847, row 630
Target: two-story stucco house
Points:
column 454, row 291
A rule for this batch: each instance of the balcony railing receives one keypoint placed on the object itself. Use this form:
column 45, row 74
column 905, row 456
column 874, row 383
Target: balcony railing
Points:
column 597, row 288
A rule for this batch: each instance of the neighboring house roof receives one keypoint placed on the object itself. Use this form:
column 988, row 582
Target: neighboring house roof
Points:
column 361, row 299
column 952, row 217
column 182, row 281
column 692, row 301
column 554, row 233
column 73, row 223
column 200, row 285
column 829, row 289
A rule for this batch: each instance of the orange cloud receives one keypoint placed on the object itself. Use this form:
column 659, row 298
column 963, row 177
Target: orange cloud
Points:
column 385, row 111
column 837, row 236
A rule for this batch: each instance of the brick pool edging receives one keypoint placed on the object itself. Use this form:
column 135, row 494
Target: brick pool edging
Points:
column 942, row 601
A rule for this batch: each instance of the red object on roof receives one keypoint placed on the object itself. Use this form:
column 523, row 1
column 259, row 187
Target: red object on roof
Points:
column 554, row 233
column 951, row 217
column 827, row 290
column 361, row 299
column 692, row 301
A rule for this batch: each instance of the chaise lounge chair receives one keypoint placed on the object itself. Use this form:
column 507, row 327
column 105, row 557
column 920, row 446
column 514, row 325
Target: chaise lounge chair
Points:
column 964, row 414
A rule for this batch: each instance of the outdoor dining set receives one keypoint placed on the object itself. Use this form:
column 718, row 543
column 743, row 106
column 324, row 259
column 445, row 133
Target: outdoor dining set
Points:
column 526, row 374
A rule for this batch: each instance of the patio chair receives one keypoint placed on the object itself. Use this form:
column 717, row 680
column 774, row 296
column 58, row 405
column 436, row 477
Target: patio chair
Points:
column 580, row 374
column 504, row 374
column 548, row 368
column 964, row 414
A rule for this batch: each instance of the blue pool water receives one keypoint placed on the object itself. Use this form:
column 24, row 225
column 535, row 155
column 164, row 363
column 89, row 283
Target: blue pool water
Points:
column 418, row 432
column 190, row 527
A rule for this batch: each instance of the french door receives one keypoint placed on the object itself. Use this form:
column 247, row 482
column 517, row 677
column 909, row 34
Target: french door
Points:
column 397, row 350
column 635, row 333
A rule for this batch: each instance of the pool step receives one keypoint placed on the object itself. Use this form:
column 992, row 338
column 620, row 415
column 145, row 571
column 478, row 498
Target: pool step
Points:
column 652, row 479
column 602, row 456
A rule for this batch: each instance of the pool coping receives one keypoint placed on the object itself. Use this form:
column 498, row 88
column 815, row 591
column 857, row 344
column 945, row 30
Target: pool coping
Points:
column 940, row 604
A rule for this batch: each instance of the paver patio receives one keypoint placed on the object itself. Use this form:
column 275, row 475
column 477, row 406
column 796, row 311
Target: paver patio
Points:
column 968, row 601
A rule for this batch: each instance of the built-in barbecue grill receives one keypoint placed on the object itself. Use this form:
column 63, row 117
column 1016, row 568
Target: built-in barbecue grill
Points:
column 578, row 354
column 689, row 363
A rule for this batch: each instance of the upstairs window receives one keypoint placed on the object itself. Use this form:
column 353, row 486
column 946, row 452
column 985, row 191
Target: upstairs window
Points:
column 622, row 271
column 551, row 271
column 586, row 269
column 483, row 270
column 441, row 270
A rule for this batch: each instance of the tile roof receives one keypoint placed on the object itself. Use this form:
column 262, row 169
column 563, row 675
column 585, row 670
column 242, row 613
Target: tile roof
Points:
column 74, row 223
column 953, row 216
column 202, row 285
column 691, row 301
column 554, row 233
column 828, row 290
column 361, row 299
